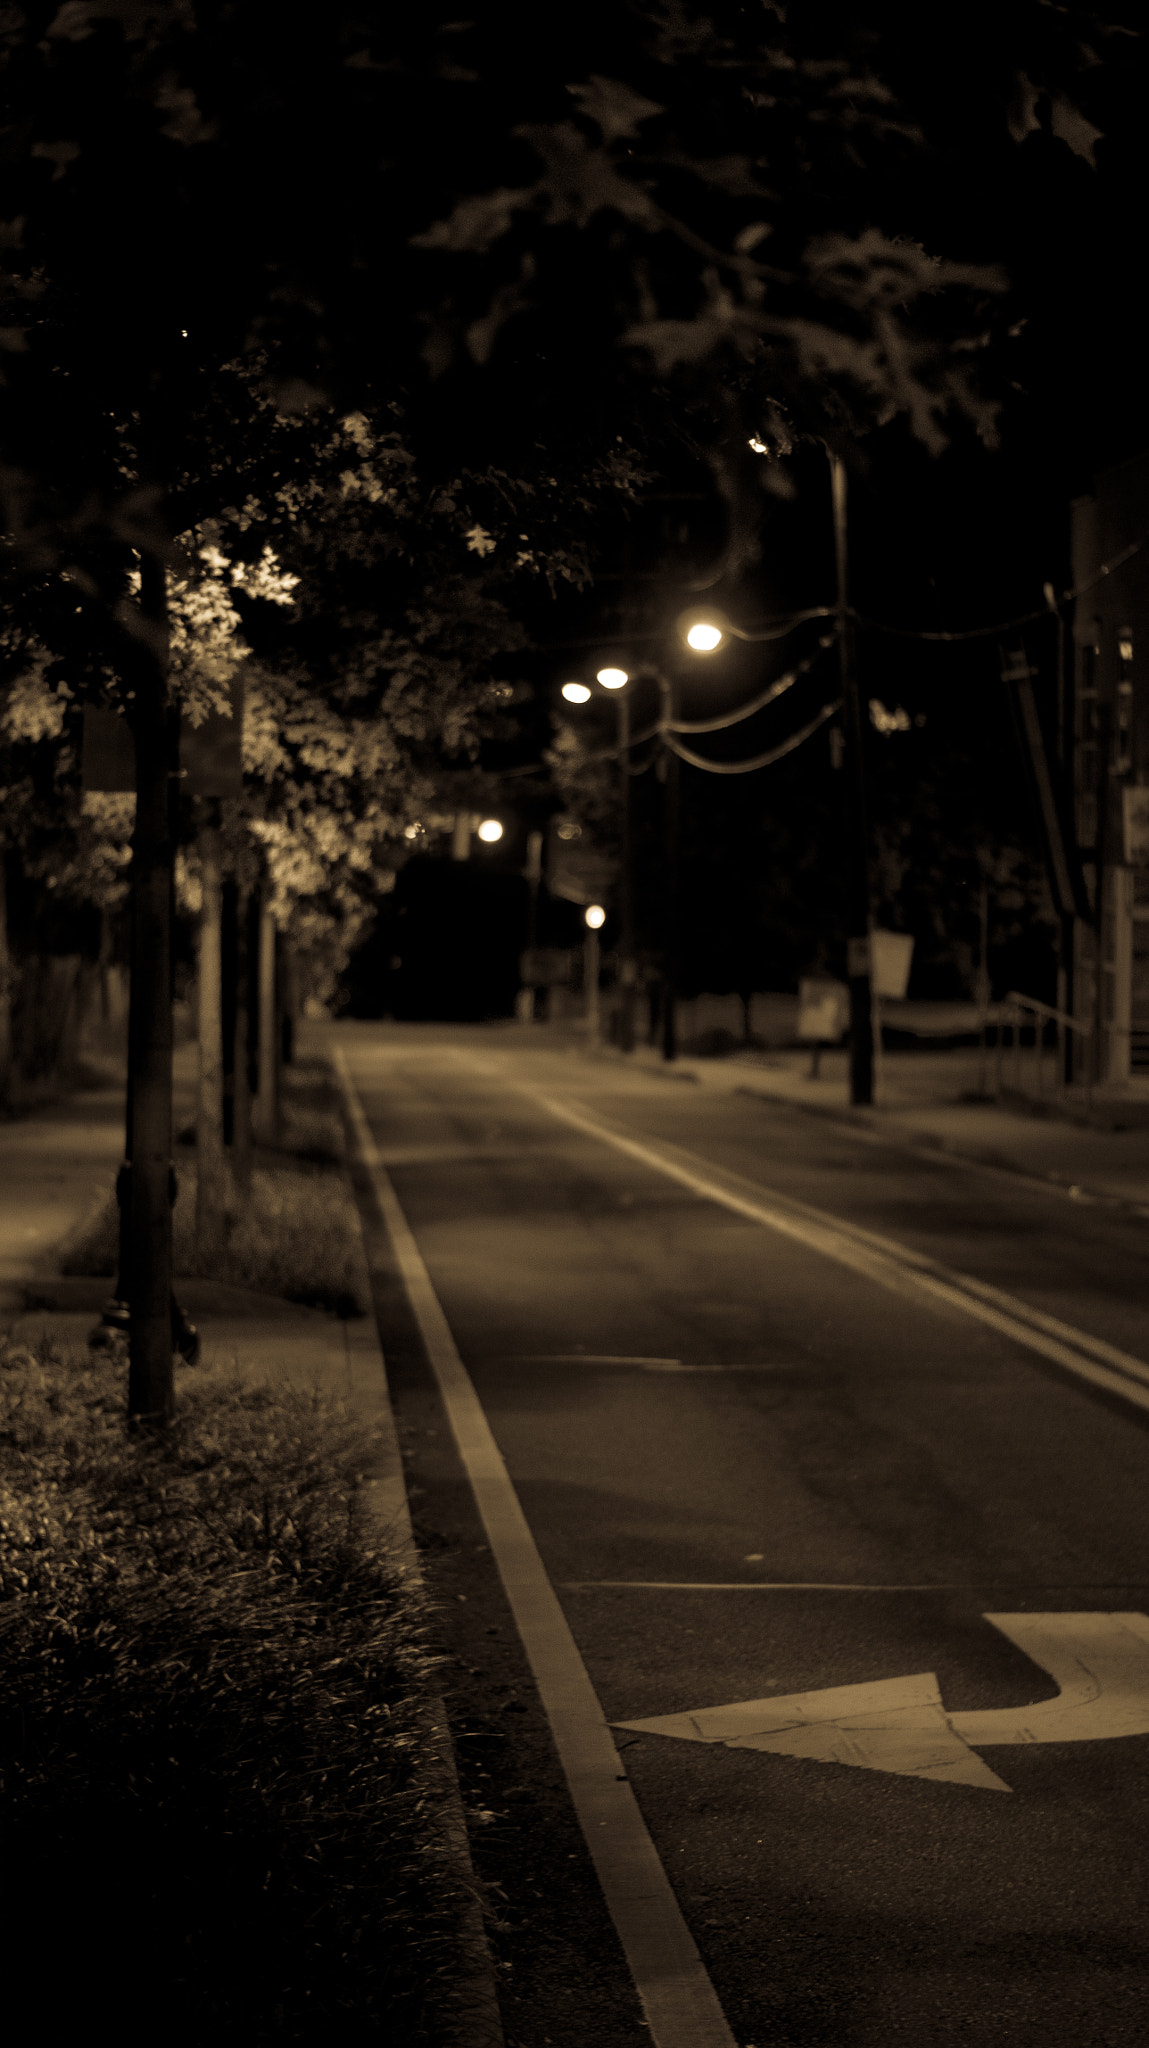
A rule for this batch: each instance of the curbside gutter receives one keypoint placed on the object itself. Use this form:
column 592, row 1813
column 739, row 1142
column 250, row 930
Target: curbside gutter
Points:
column 470, row 2016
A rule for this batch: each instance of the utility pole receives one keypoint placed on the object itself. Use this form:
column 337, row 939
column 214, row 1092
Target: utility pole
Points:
column 626, row 962
column 668, row 769
column 858, row 899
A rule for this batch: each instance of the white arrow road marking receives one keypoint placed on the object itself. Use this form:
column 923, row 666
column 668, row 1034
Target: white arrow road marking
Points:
column 890, row 1724
column 1100, row 1662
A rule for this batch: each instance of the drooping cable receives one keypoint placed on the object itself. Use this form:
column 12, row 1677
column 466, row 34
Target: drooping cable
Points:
column 764, row 697
column 759, row 760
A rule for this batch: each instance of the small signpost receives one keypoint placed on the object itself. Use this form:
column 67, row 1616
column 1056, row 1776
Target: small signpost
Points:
column 823, row 1014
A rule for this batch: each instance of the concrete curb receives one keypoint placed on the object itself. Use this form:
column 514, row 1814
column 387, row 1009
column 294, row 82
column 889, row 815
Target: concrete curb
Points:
column 471, row 2018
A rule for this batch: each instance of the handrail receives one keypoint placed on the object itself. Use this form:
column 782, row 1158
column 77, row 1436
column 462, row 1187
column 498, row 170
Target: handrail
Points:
column 1045, row 1010
column 1011, row 1012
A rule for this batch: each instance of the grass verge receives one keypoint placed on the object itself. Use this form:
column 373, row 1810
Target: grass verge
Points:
column 296, row 1231
column 218, row 1814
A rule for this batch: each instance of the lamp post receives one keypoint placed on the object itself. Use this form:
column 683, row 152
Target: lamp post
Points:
column 615, row 679
column 594, row 917
column 858, row 902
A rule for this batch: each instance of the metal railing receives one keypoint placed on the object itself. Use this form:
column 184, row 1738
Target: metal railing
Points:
column 1017, row 1015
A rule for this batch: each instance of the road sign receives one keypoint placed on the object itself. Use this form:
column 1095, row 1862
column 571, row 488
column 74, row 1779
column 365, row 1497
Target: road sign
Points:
column 823, row 1010
column 1100, row 1663
column 891, row 954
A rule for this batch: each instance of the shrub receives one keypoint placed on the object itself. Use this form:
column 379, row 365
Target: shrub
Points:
column 217, row 1805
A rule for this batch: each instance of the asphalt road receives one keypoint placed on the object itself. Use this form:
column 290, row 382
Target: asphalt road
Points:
column 753, row 1472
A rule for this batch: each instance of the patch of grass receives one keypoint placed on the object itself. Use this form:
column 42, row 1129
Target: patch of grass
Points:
column 296, row 1234
column 218, row 1814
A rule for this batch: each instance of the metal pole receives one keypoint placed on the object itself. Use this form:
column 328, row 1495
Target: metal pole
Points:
column 672, row 909
column 626, row 962
column 858, row 858
column 590, row 970
column 983, row 982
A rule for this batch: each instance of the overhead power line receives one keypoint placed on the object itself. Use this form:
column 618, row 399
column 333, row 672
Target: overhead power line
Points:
column 759, row 702
column 758, row 760
column 1023, row 619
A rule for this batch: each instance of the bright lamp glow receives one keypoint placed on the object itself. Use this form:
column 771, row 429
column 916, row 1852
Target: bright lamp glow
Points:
column 575, row 693
column 595, row 916
column 613, row 678
column 704, row 638
column 490, row 830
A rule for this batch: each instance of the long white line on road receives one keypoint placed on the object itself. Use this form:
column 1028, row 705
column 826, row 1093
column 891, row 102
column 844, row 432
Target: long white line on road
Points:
column 678, row 1999
column 892, row 1265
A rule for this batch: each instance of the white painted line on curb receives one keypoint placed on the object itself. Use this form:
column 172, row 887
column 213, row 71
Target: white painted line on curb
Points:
column 892, row 1265
column 679, row 2001
column 478, row 2023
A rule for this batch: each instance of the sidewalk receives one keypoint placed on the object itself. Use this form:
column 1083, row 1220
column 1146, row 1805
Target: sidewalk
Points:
column 57, row 1166
column 931, row 1100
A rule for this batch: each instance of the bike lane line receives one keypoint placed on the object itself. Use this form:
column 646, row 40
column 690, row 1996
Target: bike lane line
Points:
column 678, row 1999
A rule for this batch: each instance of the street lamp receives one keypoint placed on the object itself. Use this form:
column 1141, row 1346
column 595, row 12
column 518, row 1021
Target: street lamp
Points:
column 490, row 831
column 704, row 638
column 703, row 631
column 614, row 678
column 594, row 917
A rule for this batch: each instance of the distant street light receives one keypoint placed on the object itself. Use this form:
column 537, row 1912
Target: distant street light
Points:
column 703, row 630
column 490, row 830
column 595, row 917
column 611, row 677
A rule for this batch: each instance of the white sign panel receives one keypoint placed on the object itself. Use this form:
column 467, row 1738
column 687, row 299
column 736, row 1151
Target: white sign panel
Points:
column 823, row 1010
column 890, row 956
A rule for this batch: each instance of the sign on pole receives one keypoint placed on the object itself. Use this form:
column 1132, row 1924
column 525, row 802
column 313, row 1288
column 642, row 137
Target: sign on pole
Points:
column 890, row 956
column 823, row 1010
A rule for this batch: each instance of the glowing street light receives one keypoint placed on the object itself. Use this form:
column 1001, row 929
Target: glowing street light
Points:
column 612, row 678
column 490, row 830
column 595, row 916
column 704, row 638
column 576, row 693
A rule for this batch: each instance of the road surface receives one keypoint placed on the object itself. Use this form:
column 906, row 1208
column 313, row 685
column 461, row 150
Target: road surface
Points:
column 759, row 1464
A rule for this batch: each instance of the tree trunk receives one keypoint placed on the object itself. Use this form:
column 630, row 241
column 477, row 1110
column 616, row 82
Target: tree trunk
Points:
column 267, row 1013
column 151, row 1385
column 241, row 1135
column 5, row 991
column 288, row 1003
column 211, row 1164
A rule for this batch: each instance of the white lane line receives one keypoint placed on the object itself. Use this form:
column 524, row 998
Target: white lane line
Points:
column 892, row 1265
column 843, row 1586
column 677, row 1996
column 593, row 1358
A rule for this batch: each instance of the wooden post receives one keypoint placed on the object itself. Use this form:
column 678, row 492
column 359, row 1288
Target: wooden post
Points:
column 151, row 1384
column 211, row 1163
